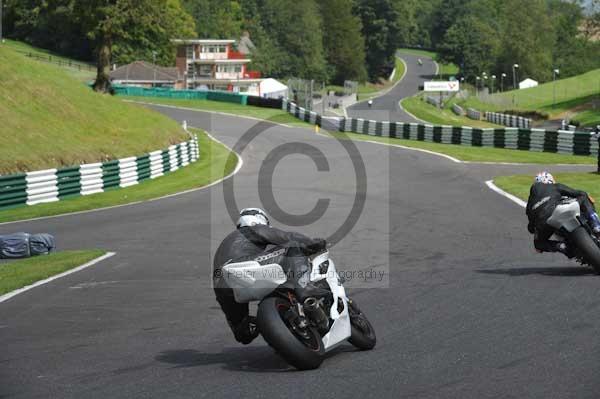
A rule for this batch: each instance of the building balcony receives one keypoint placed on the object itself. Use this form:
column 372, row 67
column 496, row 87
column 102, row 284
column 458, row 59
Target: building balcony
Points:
column 252, row 75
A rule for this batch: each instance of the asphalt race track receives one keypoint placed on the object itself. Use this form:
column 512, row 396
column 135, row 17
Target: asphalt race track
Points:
column 467, row 309
column 386, row 107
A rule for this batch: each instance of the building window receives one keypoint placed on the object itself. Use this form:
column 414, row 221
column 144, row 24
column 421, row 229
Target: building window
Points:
column 222, row 49
column 189, row 51
column 237, row 68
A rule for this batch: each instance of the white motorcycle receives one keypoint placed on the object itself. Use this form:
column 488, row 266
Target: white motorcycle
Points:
column 573, row 229
column 300, row 332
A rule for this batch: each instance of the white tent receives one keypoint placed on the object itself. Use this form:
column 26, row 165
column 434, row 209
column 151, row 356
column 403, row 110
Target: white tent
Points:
column 271, row 88
column 527, row 83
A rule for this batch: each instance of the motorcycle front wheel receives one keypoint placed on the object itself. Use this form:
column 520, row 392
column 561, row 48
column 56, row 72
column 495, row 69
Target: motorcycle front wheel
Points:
column 302, row 348
column 587, row 247
column 362, row 332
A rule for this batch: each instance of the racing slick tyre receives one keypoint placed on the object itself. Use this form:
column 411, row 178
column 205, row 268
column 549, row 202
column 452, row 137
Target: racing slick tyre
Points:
column 362, row 332
column 302, row 348
column 587, row 247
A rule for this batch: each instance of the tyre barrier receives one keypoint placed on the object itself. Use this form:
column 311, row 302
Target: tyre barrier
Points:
column 52, row 185
column 508, row 120
column 539, row 140
column 473, row 114
column 433, row 101
column 458, row 110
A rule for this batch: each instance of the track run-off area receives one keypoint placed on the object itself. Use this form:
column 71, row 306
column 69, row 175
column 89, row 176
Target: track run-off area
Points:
column 465, row 308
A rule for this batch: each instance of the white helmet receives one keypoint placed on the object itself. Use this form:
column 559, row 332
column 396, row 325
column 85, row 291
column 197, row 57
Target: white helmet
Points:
column 252, row 217
column 544, row 178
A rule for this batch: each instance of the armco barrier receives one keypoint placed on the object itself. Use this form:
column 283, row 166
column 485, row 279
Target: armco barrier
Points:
column 508, row 120
column 540, row 140
column 55, row 184
column 223, row 96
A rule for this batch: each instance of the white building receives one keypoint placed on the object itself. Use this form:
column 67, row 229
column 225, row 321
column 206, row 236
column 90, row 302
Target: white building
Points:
column 527, row 83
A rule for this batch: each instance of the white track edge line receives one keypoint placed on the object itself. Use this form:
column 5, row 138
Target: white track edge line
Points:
column 16, row 292
column 239, row 165
column 516, row 200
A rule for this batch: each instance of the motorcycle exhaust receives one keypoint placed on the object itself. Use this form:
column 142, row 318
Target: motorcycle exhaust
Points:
column 316, row 314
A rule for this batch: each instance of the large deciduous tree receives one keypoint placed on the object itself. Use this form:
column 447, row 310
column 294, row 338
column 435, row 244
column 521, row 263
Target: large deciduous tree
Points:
column 130, row 28
column 343, row 41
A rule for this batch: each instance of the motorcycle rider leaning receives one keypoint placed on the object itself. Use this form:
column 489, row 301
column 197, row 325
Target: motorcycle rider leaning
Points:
column 255, row 235
column 544, row 195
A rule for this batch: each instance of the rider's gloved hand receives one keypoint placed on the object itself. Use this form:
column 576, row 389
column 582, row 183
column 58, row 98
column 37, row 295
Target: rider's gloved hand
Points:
column 245, row 331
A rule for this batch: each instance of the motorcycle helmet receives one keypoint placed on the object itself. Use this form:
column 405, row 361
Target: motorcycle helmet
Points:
column 544, row 178
column 252, row 217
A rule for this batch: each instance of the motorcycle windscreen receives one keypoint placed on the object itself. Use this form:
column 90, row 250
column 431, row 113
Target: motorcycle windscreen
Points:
column 251, row 281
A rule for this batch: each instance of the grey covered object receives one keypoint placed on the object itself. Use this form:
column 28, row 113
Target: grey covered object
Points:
column 14, row 246
column 24, row 245
column 41, row 244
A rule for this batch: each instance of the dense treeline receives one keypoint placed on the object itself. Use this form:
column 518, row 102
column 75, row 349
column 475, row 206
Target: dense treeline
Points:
column 493, row 35
column 329, row 40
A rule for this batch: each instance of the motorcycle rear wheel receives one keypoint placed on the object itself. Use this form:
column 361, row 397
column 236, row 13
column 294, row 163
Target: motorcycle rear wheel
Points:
column 587, row 247
column 362, row 332
column 304, row 353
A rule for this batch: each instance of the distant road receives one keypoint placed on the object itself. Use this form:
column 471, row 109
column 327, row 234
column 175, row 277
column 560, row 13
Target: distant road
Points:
column 386, row 107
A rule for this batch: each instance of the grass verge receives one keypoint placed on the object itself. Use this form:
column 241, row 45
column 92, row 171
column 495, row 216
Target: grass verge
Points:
column 519, row 184
column 23, row 272
column 478, row 154
column 215, row 162
column 427, row 112
column 50, row 120
column 79, row 70
column 269, row 114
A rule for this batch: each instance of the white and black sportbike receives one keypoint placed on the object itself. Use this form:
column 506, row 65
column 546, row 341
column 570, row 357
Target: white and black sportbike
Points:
column 300, row 332
column 573, row 229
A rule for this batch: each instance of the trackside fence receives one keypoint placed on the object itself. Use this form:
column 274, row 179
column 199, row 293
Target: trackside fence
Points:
column 56, row 184
column 540, row 140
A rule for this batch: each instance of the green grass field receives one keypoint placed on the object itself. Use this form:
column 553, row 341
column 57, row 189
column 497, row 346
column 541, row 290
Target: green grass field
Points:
column 431, row 114
column 573, row 95
column 215, row 162
column 80, row 70
column 23, row 272
column 519, row 184
column 50, row 120
column 477, row 154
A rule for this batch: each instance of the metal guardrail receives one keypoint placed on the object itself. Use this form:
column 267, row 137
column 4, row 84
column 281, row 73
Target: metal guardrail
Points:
column 56, row 184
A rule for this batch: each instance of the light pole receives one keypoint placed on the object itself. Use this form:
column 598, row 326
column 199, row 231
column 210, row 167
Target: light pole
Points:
column 502, row 81
column 477, row 79
column 514, row 68
column 485, row 84
column 493, row 79
column 154, row 67
column 554, row 73
column 1, row 21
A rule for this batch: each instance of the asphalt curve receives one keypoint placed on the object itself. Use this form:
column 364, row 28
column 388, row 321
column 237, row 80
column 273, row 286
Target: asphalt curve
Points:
column 386, row 107
column 466, row 309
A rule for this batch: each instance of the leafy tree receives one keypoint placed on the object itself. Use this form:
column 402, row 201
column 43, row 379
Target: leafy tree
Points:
column 131, row 26
column 381, row 29
column 343, row 41
column 295, row 28
column 216, row 19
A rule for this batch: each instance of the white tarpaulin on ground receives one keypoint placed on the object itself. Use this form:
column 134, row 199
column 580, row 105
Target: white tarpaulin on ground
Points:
column 271, row 88
column 442, row 86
